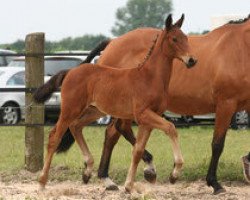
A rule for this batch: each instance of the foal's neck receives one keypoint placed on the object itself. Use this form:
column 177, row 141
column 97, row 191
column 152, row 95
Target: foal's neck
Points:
column 159, row 62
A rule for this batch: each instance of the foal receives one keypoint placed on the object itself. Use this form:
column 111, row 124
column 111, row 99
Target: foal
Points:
column 136, row 93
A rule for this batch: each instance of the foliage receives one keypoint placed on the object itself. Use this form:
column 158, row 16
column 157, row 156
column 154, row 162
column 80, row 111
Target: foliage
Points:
column 86, row 42
column 141, row 13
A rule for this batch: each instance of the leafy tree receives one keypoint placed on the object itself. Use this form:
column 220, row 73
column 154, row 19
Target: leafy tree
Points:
column 141, row 13
column 86, row 42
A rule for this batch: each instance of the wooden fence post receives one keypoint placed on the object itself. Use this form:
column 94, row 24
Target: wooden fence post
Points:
column 34, row 73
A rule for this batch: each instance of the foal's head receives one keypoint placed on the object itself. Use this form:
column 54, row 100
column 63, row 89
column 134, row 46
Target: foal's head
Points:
column 176, row 42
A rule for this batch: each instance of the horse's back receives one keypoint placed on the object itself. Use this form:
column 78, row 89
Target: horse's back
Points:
column 129, row 49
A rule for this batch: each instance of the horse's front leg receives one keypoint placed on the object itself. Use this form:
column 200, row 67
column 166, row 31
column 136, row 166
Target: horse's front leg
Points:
column 224, row 113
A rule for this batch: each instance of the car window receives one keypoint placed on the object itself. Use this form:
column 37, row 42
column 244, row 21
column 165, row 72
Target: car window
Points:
column 17, row 63
column 17, row 79
column 54, row 66
column 2, row 63
column 9, row 59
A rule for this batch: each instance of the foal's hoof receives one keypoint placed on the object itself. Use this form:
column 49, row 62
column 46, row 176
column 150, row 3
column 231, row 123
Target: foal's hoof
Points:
column 150, row 175
column 41, row 187
column 172, row 179
column 218, row 191
column 85, row 178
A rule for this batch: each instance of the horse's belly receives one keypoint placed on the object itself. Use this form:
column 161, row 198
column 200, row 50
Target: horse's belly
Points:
column 186, row 105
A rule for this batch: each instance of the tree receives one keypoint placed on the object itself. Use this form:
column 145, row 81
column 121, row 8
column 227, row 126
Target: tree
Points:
column 85, row 42
column 141, row 13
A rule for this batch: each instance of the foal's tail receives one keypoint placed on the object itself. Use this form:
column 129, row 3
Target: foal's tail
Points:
column 45, row 91
column 68, row 139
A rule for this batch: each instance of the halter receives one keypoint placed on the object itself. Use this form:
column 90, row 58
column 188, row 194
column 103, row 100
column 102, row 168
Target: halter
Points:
column 140, row 65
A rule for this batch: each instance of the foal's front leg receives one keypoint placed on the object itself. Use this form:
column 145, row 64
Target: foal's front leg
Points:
column 124, row 127
column 155, row 121
column 139, row 147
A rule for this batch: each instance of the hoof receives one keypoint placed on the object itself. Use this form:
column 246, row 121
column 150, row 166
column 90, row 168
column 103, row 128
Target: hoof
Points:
column 246, row 168
column 112, row 187
column 150, row 175
column 85, row 178
column 172, row 179
column 218, row 191
column 41, row 187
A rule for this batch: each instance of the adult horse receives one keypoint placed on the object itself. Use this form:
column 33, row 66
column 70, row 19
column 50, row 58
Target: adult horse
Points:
column 220, row 83
column 93, row 87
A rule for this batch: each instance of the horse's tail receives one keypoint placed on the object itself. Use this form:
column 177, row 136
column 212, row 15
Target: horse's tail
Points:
column 45, row 91
column 96, row 51
column 68, row 140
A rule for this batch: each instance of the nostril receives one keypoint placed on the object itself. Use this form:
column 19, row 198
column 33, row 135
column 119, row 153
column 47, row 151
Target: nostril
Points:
column 191, row 62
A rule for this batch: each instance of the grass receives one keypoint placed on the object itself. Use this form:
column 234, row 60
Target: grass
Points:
column 195, row 145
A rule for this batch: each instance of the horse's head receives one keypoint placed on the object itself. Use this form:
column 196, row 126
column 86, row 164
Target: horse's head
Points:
column 177, row 42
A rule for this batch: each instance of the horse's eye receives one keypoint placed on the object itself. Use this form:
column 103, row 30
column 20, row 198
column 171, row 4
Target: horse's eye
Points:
column 174, row 39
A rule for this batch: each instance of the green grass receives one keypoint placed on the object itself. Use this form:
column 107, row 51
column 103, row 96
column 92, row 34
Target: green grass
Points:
column 195, row 145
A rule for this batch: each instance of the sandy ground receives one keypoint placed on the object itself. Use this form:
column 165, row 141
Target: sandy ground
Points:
column 76, row 190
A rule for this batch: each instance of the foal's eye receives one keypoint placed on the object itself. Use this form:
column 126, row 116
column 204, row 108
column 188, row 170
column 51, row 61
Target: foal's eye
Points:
column 174, row 39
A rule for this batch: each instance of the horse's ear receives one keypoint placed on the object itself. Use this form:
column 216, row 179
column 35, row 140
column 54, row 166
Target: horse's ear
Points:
column 168, row 22
column 180, row 21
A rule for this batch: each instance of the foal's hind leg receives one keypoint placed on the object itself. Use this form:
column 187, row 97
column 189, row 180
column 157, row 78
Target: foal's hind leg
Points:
column 54, row 138
column 124, row 127
column 90, row 114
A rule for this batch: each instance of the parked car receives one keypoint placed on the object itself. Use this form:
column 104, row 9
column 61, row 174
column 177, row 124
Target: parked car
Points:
column 52, row 64
column 240, row 120
column 12, row 103
column 5, row 59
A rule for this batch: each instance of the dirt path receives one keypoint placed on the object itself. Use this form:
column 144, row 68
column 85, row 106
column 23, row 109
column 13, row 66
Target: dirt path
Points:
column 76, row 190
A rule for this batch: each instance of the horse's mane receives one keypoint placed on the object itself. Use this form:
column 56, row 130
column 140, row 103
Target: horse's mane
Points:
column 239, row 21
column 140, row 65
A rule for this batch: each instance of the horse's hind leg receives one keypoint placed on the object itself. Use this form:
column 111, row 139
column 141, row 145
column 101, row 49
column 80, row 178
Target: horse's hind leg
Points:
column 54, row 138
column 90, row 114
column 111, row 138
column 124, row 127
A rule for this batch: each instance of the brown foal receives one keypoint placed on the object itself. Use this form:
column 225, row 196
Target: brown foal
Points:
column 137, row 94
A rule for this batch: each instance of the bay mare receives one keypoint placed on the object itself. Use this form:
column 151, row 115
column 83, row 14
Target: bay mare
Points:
column 92, row 88
column 220, row 83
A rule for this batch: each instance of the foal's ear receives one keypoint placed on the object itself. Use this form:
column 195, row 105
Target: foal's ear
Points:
column 180, row 21
column 168, row 22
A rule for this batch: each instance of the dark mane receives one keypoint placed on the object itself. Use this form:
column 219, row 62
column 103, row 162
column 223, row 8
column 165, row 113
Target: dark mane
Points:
column 239, row 21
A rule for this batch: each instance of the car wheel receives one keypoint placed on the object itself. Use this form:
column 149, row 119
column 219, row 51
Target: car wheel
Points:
column 10, row 113
column 240, row 120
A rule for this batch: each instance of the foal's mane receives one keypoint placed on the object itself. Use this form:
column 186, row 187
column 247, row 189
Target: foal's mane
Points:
column 239, row 21
column 140, row 65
